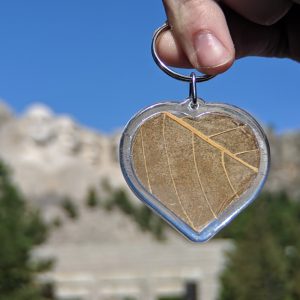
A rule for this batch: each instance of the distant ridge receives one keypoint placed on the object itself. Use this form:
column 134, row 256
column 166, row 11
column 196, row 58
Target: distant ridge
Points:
column 52, row 154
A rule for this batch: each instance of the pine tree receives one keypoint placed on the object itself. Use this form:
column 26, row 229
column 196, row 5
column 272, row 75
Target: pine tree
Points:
column 92, row 198
column 21, row 230
column 122, row 201
column 265, row 261
column 70, row 208
column 141, row 214
column 143, row 217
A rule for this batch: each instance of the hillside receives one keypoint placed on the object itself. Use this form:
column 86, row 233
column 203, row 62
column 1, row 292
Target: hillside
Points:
column 52, row 154
column 53, row 157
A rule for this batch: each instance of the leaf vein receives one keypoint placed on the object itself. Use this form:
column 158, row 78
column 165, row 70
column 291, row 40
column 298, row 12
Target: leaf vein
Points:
column 227, row 176
column 246, row 151
column 172, row 178
column 225, row 131
column 209, row 140
column 145, row 161
column 199, row 179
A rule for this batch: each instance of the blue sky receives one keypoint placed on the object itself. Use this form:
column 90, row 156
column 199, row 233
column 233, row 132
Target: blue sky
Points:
column 91, row 59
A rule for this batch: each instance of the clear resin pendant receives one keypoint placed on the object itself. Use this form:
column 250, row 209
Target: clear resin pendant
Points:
column 196, row 167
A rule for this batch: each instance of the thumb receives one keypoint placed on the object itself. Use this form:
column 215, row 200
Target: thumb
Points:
column 200, row 37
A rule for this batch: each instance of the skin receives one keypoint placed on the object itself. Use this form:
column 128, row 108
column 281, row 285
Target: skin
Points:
column 209, row 35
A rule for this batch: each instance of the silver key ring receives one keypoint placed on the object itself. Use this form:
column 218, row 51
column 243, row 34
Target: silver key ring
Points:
column 165, row 68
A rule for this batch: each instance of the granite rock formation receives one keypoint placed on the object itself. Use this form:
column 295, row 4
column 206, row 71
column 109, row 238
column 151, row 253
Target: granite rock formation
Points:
column 52, row 154
column 105, row 255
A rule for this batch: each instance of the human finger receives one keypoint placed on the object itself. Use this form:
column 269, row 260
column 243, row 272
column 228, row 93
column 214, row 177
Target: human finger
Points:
column 201, row 34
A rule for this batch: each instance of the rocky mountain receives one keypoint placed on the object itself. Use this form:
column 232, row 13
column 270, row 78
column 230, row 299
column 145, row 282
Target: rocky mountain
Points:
column 51, row 158
column 53, row 155
column 104, row 254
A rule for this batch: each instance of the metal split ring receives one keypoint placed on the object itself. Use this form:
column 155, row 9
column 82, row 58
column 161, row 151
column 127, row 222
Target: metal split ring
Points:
column 193, row 90
column 165, row 68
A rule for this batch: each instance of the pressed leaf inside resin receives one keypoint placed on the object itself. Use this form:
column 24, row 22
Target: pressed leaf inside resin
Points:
column 195, row 167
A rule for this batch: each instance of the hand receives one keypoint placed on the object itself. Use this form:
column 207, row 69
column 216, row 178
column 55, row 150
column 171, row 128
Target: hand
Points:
column 208, row 36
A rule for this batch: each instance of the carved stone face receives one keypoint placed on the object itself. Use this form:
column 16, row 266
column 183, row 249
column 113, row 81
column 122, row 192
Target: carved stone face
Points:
column 40, row 124
column 67, row 135
column 91, row 149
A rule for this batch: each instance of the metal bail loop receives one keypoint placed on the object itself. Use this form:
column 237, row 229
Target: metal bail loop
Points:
column 193, row 90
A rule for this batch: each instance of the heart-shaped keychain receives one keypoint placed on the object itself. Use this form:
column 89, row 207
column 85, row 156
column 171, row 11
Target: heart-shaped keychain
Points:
column 196, row 164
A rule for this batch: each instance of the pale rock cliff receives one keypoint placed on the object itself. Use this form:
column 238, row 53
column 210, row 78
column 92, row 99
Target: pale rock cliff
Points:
column 103, row 255
column 52, row 154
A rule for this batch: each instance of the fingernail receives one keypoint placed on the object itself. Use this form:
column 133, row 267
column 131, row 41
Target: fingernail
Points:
column 209, row 51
